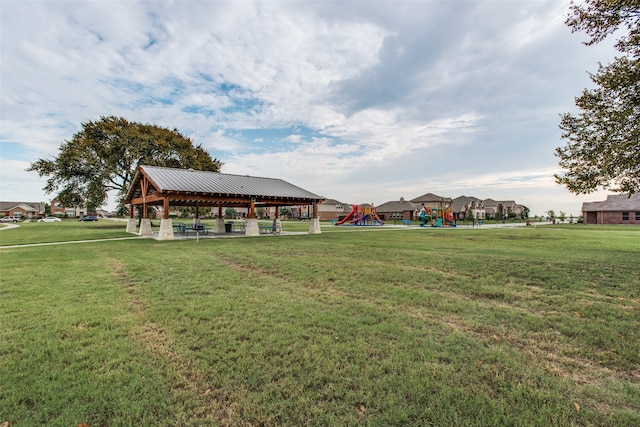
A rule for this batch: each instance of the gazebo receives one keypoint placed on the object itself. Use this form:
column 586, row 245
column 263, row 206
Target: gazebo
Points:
column 166, row 187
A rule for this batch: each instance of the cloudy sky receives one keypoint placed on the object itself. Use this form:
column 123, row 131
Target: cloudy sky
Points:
column 363, row 101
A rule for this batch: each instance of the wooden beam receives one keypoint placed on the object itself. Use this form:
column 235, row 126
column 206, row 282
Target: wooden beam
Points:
column 165, row 208
column 154, row 199
column 144, row 186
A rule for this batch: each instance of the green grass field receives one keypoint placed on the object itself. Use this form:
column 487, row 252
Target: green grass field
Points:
column 356, row 326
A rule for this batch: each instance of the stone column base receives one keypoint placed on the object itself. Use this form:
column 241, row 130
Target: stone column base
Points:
column 220, row 226
column 145, row 227
column 314, row 227
column 131, row 226
column 166, row 230
column 251, row 228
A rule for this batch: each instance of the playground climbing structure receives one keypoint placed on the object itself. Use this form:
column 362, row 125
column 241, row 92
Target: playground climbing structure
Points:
column 436, row 217
column 361, row 215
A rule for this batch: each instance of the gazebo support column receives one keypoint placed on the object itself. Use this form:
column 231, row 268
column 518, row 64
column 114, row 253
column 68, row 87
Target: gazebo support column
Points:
column 196, row 220
column 131, row 226
column 145, row 223
column 314, row 227
column 145, row 227
column 166, row 224
column 166, row 229
column 220, row 225
column 251, row 226
column 131, row 222
column 277, row 224
column 220, row 220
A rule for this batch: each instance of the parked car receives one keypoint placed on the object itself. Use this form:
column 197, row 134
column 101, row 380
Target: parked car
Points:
column 50, row 219
column 9, row 219
column 88, row 218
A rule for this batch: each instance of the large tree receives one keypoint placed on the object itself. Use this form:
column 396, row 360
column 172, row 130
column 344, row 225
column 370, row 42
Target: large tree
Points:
column 603, row 140
column 103, row 157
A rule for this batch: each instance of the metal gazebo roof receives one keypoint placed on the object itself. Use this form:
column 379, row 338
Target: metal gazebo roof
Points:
column 188, row 187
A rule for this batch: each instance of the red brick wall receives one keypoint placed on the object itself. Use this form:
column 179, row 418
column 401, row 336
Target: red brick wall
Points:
column 610, row 218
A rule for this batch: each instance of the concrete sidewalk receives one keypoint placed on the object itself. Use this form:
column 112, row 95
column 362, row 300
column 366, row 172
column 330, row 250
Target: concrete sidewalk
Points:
column 31, row 245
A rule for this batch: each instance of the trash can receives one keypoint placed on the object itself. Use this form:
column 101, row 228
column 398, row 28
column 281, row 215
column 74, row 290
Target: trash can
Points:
column 227, row 227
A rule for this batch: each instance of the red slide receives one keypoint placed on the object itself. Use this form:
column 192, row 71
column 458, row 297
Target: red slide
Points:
column 354, row 211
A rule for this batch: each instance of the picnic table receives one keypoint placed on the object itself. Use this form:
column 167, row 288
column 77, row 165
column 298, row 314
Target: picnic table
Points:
column 271, row 228
column 184, row 229
column 237, row 226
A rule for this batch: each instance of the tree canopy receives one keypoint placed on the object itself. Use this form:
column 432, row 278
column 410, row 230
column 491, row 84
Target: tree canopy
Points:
column 603, row 140
column 104, row 155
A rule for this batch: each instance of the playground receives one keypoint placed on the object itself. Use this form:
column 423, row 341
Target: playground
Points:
column 436, row 217
column 361, row 215
column 366, row 215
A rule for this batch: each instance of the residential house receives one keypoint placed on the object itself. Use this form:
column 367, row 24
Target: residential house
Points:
column 508, row 207
column 332, row 209
column 490, row 208
column 22, row 209
column 502, row 208
column 616, row 209
column 431, row 200
column 397, row 210
column 464, row 206
column 58, row 209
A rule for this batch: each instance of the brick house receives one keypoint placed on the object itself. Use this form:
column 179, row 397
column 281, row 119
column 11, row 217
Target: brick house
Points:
column 617, row 209
column 431, row 200
column 22, row 209
column 332, row 209
column 397, row 210
column 58, row 209
column 463, row 205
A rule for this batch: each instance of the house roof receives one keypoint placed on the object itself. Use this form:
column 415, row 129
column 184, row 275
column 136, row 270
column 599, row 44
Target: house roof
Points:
column 190, row 186
column 462, row 203
column 26, row 206
column 614, row 202
column 465, row 199
column 430, row 197
column 333, row 202
column 396, row 206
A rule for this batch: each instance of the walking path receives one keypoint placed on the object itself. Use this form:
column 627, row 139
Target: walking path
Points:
column 31, row 245
column 9, row 226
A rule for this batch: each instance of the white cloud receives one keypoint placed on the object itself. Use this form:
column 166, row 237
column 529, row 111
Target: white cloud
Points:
column 359, row 101
column 18, row 185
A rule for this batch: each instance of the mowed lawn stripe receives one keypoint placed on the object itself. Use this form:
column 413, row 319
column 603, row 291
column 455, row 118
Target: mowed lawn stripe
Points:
column 470, row 327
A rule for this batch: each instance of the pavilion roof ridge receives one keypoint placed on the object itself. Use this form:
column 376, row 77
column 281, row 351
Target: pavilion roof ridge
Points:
column 211, row 172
